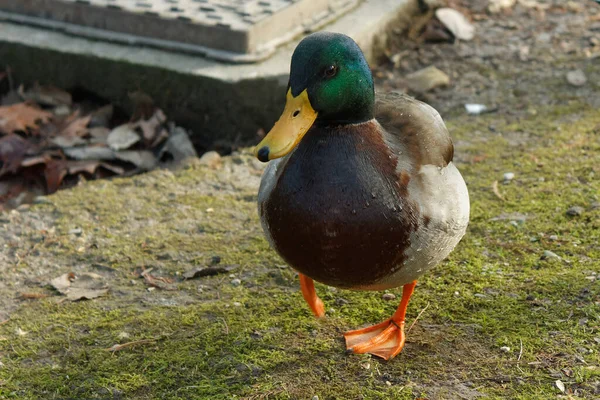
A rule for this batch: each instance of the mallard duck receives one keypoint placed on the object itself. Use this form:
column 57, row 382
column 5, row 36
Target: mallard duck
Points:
column 360, row 191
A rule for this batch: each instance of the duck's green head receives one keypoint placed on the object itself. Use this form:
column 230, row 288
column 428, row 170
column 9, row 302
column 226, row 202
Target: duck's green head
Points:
column 330, row 84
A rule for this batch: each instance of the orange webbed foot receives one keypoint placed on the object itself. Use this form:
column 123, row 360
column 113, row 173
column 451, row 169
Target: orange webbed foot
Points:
column 386, row 339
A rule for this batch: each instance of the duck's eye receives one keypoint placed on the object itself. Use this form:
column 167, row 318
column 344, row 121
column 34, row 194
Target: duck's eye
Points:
column 330, row 71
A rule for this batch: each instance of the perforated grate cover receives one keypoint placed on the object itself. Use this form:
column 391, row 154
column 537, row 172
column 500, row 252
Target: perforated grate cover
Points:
column 234, row 30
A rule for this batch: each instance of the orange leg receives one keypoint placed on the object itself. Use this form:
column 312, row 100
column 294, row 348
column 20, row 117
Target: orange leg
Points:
column 307, row 286
column 386, row 339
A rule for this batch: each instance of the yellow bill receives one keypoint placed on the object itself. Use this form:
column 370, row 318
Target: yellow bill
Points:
column 297, row 118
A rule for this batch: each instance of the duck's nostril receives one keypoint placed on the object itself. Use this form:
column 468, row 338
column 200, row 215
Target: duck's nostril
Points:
column 263, row 154
column 295, row 114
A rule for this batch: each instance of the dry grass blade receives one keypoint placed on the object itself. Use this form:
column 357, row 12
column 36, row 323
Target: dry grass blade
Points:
column 418, row 316
column 118, row 347
column 496, row 191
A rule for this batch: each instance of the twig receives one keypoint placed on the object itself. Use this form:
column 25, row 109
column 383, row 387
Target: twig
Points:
column 118, row 347
column 29, row 296
column 418, row 316
column 496, row 191
column 5, row 321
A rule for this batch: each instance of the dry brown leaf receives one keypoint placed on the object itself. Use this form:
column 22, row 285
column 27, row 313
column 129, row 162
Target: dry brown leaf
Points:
column 46, row 95
column 90, row 166
column 85, row 286
column 55, row 172
column 13, row 149
column 77, row 127
column 63, row 282
column 158, row 281
column 102, row 116
column 151, row 127
column 21, row 116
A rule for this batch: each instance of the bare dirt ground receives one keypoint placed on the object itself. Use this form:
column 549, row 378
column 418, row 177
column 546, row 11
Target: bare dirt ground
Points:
column 513, row 313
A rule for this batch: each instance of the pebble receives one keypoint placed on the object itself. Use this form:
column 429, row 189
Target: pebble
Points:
column 211, row 159
column 508, row 176
column 388, row 296
column 475, row 109
column 576, row 77
column 426, row 79
column 340, row 301
column 575, row 211
column 315, row 398
column 41, row 200
column 237, row 304
column 505, row 349
column 549, row 255
column 554, row 238
column 456, row 23
column 236, row 282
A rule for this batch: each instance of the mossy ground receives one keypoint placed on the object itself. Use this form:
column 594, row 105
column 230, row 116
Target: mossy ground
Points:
column 210, row 339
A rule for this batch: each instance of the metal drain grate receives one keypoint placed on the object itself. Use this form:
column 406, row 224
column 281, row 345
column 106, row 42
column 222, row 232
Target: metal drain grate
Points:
column 234, row 30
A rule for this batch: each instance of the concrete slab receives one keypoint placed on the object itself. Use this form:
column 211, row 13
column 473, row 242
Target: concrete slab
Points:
column 223, row 104
column 227, row 30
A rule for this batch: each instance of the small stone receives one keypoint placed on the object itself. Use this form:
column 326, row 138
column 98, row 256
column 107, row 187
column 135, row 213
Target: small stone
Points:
column 211, row 159
column 340, row 302
column 576, row 77
column 76, row 231
column 554, row 238
column 495, row 6
column 41, row 200
column 505, row 349
column 388, row 296
column 237, row 304
column 575, row 211
column 508, row 176
column 560, row 385
column 456, row 23
column 388, row 383
column 427, row 79
column 209, row 210
column 549, row 255
column 315, row 398
column 475, row 109
column 236, row 282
